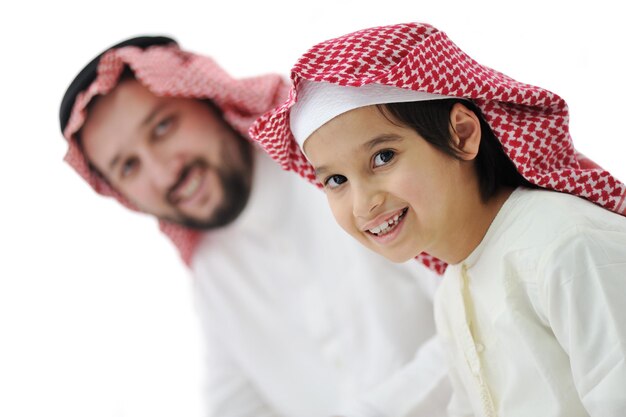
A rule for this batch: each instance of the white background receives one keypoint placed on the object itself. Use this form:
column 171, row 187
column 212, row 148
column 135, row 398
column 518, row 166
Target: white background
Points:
column 96, row 315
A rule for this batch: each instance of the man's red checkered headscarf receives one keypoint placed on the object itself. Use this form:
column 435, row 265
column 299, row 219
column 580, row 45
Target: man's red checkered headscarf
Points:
column 530, row 122
column 166, row 70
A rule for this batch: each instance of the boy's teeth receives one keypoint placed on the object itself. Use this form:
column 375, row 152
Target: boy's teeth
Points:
column 386, row 225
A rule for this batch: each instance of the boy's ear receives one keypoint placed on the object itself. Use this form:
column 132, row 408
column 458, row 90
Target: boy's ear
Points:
column 465, row 131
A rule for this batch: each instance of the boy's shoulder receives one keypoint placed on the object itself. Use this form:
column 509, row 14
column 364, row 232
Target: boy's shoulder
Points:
column 534, row 224
column 555, row 212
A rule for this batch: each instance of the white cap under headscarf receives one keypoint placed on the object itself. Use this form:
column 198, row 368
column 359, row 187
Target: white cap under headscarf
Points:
column 320, row 102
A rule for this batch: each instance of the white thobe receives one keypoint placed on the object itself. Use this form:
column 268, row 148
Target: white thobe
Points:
column 533, row 321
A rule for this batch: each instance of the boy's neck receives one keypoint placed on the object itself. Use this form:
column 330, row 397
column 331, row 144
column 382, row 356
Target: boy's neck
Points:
column 472, row 232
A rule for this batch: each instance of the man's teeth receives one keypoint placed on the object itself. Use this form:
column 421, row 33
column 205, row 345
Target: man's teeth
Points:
column 190, row 187
column 386, row 226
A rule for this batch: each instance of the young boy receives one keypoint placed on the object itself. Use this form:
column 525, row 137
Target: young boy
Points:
column 423, row 152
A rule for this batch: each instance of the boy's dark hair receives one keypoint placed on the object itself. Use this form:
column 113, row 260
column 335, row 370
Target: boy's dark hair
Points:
column 431, row 120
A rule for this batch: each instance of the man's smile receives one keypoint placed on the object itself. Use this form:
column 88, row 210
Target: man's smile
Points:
column 189, row 185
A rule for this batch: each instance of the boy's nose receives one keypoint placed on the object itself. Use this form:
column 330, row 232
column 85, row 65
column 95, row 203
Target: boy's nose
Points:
column 366, row 201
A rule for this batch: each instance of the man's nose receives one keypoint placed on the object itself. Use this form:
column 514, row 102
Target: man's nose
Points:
column 162, row 171
column 366, row 199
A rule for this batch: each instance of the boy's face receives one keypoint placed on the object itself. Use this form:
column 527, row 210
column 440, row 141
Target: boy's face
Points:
column 388, row 187
column 172, row 157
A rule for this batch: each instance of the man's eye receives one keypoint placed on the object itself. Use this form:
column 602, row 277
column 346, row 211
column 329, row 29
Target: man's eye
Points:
column 128, row 167
column 383, row 157
column 334, row 181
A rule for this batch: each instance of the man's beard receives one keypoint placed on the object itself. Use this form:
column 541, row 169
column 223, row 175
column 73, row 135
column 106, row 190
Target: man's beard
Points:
column 236, row 182
column 236, row 192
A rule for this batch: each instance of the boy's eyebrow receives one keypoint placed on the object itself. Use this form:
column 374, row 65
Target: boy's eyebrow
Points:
column 380, row 139
column 146, row 121
column 370, row 144
column 320, row 170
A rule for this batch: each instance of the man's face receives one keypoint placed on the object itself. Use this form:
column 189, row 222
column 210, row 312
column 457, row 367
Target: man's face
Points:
column 172, row 157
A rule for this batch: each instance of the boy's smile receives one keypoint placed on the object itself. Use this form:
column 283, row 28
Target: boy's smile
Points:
column 386, row 225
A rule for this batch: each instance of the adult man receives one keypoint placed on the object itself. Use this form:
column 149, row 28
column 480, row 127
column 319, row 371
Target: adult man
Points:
column 299, row 320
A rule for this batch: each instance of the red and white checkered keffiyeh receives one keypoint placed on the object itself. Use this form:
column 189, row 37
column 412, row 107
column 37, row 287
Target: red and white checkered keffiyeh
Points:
column 170, row 71
column 530, row 122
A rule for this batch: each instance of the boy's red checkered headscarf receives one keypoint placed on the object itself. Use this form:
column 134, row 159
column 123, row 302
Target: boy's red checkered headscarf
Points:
column 530, row 122
column 166, row 70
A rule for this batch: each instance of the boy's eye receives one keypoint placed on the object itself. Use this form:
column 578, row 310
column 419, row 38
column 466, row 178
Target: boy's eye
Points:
column 383, row 157
column 334, row 181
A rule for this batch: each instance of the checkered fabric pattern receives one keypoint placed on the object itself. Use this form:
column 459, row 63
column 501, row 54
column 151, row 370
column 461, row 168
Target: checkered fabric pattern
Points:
column 530, row 122
column 170, row 71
